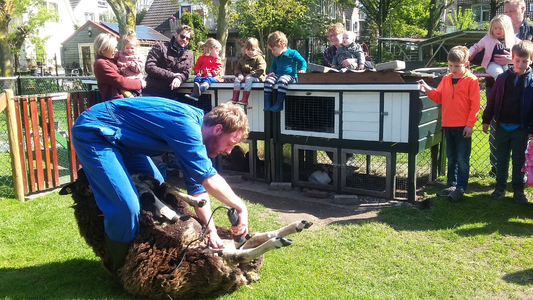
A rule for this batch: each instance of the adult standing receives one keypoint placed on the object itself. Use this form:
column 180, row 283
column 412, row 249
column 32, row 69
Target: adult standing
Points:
column 108, row 77
column 168, row 64
column 115, row 138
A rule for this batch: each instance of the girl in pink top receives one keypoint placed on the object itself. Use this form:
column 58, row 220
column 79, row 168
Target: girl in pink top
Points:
column 499, row 39
column 129, row 64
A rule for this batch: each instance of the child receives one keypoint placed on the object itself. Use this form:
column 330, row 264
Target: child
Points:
column 251, row 68
column 129, row 64
column 459, row 94
column 282, row 70
column 349, row 49
column 207, row 68
column 499, row 38
column 510, row 104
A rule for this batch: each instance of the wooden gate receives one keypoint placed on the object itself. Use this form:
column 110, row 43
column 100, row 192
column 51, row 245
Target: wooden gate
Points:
column 43, row 125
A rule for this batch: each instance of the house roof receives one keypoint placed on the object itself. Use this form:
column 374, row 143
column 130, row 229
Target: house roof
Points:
column 144, row 34
column 159, row 14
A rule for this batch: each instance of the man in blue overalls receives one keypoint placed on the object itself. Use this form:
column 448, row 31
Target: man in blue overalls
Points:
column 118, row 137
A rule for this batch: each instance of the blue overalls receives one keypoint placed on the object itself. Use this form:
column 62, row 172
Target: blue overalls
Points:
column 115, row 138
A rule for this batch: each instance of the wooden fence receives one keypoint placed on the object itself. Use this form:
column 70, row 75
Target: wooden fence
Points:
column 34, row 138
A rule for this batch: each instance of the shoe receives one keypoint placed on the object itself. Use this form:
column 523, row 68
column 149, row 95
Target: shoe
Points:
column 278, row 106
column 520, row 197
column 117, row 251
column 268, row 101
column 456, row 195
column 497, row 194
column 445, row 192
column 244, row 100
column 195, row 92
column 235, row 97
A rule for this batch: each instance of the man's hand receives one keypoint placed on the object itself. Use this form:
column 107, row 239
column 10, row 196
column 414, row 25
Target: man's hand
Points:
column 467, row 132
column 143, row 83
column 503, row 59
column 486, row 128
column 241, row 228
column 214, row 241
column 175, row 83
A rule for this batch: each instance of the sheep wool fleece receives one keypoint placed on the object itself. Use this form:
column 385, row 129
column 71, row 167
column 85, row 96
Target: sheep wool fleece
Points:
column 116, row 138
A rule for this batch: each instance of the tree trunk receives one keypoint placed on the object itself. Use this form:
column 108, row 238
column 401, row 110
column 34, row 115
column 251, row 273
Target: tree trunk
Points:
column 222, row 30
column 6, row 68
column 125, row 11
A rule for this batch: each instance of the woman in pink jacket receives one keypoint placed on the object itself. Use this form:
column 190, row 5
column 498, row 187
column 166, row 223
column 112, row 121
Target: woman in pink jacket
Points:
column 498, row 40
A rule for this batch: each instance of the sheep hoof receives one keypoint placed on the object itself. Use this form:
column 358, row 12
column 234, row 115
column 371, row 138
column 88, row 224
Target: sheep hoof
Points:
column 307, row 224
column 184, row 218
column 285, row 241
column 202, row 203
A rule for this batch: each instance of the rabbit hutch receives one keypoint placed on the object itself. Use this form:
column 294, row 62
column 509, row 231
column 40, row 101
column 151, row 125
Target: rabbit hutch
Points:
column 370, row 133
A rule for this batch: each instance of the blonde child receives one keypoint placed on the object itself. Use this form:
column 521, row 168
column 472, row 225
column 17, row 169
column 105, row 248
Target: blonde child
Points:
column 208, row 68
column 250, row 68
column 129, row 64
column 500, row 38
column 283, row 70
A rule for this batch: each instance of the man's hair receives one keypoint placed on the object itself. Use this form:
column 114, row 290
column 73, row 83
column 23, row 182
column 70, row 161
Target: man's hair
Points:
column 521, row 3
column 277, row 38
column 186, row 28
column 458, row 54
column 523, row 49
column 104, row 42
column 336, row 28
column 232, row 118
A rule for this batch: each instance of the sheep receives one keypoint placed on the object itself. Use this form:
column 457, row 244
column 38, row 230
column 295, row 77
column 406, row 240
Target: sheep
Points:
column 170, row 257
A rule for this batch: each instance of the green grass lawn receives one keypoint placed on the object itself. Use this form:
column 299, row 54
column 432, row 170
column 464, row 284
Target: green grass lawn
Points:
column 478, row 248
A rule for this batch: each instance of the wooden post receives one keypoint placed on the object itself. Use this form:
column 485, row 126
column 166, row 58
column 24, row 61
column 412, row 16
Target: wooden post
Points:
column 12, row 131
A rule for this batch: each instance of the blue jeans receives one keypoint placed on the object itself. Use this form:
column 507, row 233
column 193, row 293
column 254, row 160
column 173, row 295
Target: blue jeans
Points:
column 458, row 150
column 507, row 142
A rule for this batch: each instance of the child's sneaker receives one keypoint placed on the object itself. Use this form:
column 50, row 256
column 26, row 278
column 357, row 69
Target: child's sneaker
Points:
column 520, row 197
column 456, row 195
column 497, row 194
column 446, row 192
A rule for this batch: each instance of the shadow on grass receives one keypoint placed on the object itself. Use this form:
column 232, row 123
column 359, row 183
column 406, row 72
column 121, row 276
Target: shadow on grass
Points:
column 474, row 214
column 77, row 278
column 524, row 277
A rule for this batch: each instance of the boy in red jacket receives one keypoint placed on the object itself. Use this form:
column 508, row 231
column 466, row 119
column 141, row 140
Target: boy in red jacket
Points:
column 458, row 92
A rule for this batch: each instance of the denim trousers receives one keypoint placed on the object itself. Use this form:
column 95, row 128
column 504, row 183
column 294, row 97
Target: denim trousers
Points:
column 514, row 142
column 458, row 150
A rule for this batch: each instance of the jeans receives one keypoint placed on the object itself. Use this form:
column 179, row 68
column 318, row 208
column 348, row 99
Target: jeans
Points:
column 507, row 142
column 458, row 153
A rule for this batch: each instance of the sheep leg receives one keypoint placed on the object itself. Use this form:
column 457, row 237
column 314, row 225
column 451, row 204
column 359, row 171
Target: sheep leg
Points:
column 192, row 201
column 243, row 256
column 260, row 238
column 150, row 202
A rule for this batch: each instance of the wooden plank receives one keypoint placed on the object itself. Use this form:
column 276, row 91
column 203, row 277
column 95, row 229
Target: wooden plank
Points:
column 36, row 143
column 21, row 145
column 72, row 155
column 45, row 125
column 429, row 141
column 428, row 115
column 29, row 151
column 429, row 128
column 3, row 100
column 53, row 142
column 14, row 151
column 425, row 102
column 363, row 77
column 75, row 102
column 396, row 117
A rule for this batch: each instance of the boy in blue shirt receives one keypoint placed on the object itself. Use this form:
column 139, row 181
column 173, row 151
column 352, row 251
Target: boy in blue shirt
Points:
column 283, row 69
column 511, row 104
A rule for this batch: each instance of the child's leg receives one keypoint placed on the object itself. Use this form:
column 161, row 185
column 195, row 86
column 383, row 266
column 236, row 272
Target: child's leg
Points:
column 247, row 89
column 451, row 155
column 283, row 82
column 519, row 139
column 495, row 69
column 503, row 154
column 463, row 149
column 269, row 83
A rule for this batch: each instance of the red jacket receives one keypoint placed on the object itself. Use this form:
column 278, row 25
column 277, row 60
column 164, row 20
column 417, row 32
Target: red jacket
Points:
column 109, row 80
column 206, row 63
column 460, row 104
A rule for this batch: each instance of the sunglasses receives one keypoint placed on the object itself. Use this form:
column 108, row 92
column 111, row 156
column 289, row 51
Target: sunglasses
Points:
column 183, row 37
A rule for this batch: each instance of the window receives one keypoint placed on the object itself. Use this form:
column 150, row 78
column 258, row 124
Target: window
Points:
column 185, row 9
column 89, row 17
column 481, row 12
column 102, row 3
column 530, row 6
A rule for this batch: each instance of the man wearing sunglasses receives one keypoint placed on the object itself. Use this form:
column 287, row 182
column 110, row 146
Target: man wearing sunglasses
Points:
column 168, row 64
